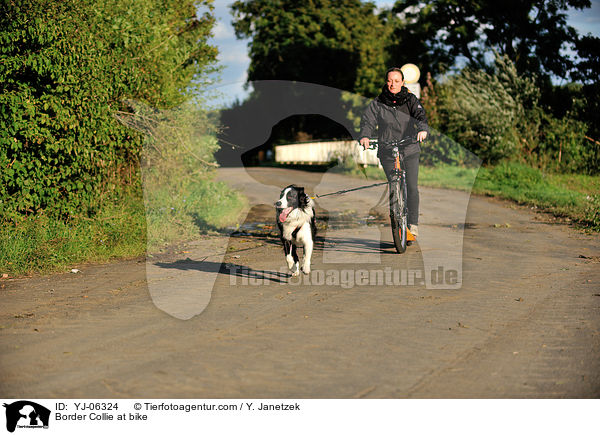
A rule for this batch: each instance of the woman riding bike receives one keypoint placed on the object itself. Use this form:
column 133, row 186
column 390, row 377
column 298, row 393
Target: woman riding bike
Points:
column 398, row 114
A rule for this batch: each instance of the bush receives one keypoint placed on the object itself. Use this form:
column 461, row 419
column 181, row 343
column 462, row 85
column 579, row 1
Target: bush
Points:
column 485, row 112
column 562, row 146
column 498, row 116
column 66, row 66
column 177, row 166
column 440, row 149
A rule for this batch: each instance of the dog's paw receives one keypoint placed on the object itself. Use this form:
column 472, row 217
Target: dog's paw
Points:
column 306, row 269
column 295, row 268
column 290, row 262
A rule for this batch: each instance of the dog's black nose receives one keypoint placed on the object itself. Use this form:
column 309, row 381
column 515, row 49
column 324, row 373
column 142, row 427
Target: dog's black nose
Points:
column 278, row 204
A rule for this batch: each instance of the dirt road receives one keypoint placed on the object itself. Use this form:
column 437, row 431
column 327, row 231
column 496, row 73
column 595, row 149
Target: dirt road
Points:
column 521, row 321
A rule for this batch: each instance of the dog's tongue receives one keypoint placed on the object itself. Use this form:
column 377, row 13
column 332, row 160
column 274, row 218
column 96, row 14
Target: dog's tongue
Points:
column 284, row 214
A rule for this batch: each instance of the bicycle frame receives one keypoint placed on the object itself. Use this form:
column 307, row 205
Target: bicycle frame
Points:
column 398, row 198
column 399, row 174
column 398, row 158
column 398, row 164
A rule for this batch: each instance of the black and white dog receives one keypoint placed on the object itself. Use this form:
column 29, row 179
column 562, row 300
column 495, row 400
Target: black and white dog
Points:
column 296, row 222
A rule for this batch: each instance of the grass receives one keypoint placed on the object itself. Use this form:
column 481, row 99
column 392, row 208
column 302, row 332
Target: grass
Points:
column 40, row 244
column 124, row 228
column 571, row 196
column 177, row 213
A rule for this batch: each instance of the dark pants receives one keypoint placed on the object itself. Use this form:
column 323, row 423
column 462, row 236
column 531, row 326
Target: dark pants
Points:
column 411, row 166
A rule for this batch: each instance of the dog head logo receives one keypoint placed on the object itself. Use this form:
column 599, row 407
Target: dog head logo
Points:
column 26, row 414
column 183, row 288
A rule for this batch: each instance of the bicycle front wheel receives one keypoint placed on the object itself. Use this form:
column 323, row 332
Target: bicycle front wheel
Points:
column 398, row 215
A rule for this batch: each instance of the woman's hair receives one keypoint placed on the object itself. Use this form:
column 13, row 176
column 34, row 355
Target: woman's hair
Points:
column 396, row 69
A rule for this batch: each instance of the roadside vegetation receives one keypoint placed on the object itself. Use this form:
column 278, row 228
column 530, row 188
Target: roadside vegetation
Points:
column 574, row 197
column 40, row 243
column 529, row 154
column 90, row 90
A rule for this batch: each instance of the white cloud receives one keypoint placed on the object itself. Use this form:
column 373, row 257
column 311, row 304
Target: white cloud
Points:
column 234, row 54
column 223, row 31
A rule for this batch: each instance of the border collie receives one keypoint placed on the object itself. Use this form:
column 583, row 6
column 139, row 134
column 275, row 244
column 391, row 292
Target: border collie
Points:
column 296, row 221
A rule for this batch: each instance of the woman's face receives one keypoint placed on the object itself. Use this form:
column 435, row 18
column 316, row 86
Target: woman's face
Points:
column 394, row 82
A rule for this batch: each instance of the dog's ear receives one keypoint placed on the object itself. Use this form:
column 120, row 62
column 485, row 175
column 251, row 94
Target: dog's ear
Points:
column 303, row 198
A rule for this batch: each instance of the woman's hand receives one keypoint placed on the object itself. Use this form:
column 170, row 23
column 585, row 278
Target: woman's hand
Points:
column 365, row 142
column 421, row 136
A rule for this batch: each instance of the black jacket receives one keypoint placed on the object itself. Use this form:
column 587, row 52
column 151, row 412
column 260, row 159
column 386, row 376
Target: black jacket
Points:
column 395, row 121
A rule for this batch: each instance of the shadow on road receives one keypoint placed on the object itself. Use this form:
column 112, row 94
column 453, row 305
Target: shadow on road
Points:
column 234, row 270
column 356, row 245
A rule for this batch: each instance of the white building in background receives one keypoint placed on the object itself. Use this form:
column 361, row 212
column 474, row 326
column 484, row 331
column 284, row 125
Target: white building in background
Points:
column 323, row 152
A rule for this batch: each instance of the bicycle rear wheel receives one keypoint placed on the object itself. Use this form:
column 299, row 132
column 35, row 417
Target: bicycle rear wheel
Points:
column 398, row 215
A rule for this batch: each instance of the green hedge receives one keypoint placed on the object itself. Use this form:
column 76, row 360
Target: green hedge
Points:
column 66, row 67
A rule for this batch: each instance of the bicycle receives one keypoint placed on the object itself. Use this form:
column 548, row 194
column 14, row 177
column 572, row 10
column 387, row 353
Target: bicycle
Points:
column 398, row 195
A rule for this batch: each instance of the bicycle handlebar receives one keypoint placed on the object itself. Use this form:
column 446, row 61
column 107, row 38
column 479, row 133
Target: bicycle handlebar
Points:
column 404, row 141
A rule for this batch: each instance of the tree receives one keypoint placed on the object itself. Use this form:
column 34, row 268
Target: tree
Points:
column 588, row 50
column 334, row 43
column 534, row 34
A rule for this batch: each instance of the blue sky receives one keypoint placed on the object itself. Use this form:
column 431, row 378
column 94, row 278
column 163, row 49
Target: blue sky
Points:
column 233, row 53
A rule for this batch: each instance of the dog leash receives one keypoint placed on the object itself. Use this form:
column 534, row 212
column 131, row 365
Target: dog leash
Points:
column 339, row 192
